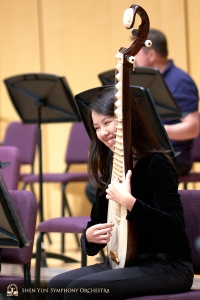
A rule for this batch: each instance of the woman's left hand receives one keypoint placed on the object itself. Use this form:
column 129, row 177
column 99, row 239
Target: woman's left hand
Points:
column 121, row 192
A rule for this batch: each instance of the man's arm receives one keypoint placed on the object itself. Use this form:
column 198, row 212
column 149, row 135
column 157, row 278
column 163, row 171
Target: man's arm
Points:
column 186, row 130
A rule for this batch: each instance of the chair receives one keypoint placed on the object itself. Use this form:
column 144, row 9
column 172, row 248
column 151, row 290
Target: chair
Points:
column 10, row 173
column 25, row 205
column 192, row 177
column 24, row 137
column 76, row 153
column 60, row 225
column 191, row 204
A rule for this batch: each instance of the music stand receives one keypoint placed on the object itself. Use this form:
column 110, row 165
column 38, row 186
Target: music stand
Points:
column 12, row 234
column 143, row 97
column 152, row 79
column 42, row 98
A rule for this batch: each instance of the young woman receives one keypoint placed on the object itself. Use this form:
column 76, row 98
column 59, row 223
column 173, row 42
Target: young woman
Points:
column 163, row 264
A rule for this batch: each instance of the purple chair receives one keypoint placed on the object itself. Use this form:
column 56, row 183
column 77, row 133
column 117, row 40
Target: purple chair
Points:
column 192, row 176
column 191, row 205
column 10, row 173
column 25, row 205
column 61, row 225
column 76, row 153
column 24, row 137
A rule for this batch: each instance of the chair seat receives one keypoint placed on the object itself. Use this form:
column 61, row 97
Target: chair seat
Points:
column 11, row 172
column 59, row 177
column 64, row 224
column 6, row 280
column 191, row 295
column 22, row 175
column 190, row 177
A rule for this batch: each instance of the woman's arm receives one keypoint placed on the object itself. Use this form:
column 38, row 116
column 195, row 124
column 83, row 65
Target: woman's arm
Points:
column 163, row 215
column 95, row 236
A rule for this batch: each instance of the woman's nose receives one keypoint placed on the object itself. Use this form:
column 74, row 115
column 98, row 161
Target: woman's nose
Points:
column 104, row 132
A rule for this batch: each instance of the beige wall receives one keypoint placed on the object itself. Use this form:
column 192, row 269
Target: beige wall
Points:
column 79, row 39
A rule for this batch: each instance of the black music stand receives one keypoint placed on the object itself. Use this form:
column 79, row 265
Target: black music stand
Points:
column 152, row 79
column 146, row 103
column 12, row 234
column 42, row 98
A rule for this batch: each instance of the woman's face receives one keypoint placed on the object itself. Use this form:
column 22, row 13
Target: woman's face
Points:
column 105, row 127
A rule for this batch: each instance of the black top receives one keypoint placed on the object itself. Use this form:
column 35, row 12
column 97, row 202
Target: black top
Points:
column 157, row 213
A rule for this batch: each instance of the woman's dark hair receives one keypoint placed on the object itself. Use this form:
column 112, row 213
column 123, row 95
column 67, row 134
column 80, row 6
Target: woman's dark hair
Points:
column 144, row 141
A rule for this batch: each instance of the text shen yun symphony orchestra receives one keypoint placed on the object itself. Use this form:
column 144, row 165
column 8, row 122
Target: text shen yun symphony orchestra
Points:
column 66, row 290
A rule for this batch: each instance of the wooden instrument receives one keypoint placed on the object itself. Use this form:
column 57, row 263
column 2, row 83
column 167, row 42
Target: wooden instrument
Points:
column 122, row 247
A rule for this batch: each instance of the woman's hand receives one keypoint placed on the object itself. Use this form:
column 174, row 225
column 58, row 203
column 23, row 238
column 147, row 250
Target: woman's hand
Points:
column 121, row 192
column 100, row 233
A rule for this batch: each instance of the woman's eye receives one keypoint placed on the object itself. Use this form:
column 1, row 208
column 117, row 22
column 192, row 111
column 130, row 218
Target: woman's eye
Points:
column 107, row 123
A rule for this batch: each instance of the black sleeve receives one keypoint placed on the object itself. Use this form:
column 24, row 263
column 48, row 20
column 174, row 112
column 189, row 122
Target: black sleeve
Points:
column 98, row 215
column 164, row 215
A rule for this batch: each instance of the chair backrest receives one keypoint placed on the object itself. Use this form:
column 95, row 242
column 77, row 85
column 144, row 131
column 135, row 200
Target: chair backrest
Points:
column 10, row 173
column 196, row 147
column 191, row 204
column 25, row 205
column 78, row 145
column 24, row 137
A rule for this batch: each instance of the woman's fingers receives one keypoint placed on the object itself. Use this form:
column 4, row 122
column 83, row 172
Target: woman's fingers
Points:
column 128, row 176
column 103, row 233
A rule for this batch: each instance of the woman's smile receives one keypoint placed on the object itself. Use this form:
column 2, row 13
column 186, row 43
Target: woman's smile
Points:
column 105, row 127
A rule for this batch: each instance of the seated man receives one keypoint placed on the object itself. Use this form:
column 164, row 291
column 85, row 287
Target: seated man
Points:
column 181, row 132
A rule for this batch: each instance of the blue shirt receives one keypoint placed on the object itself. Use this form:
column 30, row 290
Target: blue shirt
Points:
column 185, row 93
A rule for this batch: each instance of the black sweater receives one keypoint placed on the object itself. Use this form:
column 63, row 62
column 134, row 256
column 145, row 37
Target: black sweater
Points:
column 157, row 213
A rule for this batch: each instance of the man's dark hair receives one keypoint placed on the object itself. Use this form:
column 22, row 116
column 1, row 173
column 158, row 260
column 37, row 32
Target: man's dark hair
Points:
column 159, row 42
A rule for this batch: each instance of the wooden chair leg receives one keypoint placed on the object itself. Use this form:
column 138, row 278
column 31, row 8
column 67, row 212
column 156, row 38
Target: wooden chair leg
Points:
column 27, row 275
column 38, row 259
column 83, row 258
column 65, row 205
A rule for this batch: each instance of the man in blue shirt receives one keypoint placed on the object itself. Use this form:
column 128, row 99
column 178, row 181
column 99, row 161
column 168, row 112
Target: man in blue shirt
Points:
column 181, row 132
